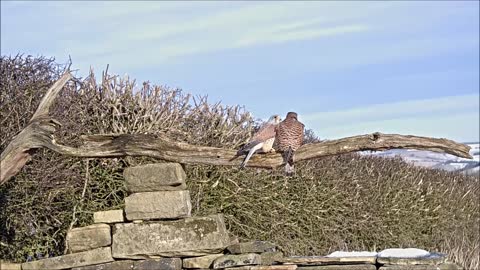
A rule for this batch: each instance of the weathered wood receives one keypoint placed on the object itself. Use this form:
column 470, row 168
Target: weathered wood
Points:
column 39, row 133
column 33, row 136
column 50, row 96
column 160, row 146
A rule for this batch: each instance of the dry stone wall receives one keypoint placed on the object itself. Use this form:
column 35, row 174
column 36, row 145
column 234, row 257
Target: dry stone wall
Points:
column 156, row 231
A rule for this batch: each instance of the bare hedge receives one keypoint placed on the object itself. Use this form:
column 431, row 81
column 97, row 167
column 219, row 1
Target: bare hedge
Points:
column 346, row 202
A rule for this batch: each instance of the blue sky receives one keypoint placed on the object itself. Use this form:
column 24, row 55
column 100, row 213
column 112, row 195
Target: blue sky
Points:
column 347, row 68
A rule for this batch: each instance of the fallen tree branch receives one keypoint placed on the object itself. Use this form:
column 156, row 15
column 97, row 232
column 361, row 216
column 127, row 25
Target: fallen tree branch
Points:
column 39, row 134
column 160, row 146
column 39, row 129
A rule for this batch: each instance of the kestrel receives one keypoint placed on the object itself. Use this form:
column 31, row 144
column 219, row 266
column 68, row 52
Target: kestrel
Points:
column 262, row 140
column 289, row 138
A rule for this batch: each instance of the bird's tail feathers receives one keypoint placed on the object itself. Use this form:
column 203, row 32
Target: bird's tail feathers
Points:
column 288, row 156
column 242, row 151
column 289, row 170
column 250, row 153
column 288, row 160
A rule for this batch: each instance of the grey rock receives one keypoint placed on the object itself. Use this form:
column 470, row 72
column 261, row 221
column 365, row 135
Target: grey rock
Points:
column 158, row 205
column 155, row 177
column 432, row 259
column 269, row 258
column 237, row 260
column 111, row 216
column 252, row 247
column 321, row 260
column 443, row 266
column 150, row 264
column 194, row 236
column 89, row 237
column 200, row 262
column 155, row 264
column 265, row 267
column 91, row 257
column 449, row 266
column 10, row 266
column 117, row 265
column 339, row 267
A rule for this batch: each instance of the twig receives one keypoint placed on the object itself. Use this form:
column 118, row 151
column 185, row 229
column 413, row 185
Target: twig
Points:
column 74, row 212
column 40, row 130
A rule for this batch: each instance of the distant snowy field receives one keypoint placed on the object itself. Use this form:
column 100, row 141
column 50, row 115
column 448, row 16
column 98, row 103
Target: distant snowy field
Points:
column 437, row 160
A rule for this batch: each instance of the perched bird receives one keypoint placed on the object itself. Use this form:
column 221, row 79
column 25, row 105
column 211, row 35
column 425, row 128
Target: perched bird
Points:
column 262, row 140
column 289, row 136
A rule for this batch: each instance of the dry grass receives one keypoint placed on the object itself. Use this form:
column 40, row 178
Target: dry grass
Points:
column 346, row 202
column 36, row 206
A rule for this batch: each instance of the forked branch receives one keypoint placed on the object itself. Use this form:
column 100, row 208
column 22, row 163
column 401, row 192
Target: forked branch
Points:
column 39, row 133
column 40, row 129
column 159, row 146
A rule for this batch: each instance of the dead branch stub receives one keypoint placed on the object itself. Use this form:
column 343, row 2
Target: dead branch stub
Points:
column 39, row 134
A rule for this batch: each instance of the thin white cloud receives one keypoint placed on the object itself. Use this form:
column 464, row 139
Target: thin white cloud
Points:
column 396, row 109
column 427, row 117
column 462, row 127
column 297, row 34
column 162, row 36
column 145, row 34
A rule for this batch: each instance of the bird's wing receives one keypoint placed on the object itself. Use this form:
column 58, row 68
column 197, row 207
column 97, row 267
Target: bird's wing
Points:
column 266, row 132
column 301, row 131
column 246, row 148
column 250, row 153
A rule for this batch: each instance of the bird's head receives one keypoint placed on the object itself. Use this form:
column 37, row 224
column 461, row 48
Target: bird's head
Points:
column 292, row 115
column 275, row 119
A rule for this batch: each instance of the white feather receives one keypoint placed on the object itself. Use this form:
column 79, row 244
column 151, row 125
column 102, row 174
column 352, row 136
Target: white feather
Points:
column 251, row 152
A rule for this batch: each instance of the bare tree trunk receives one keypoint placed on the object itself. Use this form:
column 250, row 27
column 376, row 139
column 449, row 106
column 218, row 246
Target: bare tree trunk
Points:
column 39, row 129
column 39, row 133
column 161, row 147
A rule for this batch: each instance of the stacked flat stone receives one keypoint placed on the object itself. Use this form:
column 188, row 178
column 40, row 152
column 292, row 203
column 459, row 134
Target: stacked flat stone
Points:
column 159, row 197
column 260, row 255
column 157, row 192
column 156, row 231
column 331, row 263
column 88, row 246
column 84, row 258
column 256, row 254
column 431, row 261
column 4, row 265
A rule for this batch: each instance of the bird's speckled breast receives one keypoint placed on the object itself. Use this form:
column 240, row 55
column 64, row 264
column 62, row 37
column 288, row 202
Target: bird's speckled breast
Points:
column 267, row 145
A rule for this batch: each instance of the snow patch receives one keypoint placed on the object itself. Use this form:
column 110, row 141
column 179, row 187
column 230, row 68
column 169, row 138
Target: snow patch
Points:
column 337, row 254
column 403, row 253
column 435, row 160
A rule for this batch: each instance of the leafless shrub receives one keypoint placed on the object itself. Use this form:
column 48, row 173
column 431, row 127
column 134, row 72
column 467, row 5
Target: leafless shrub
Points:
column 345, row 202
column 21, row 79
column 117, row 106
column 310, row 137
column 36, row 206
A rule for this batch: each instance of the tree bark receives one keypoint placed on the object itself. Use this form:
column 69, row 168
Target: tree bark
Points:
column 159, row 146
column 39, row 133
column 40, row 129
